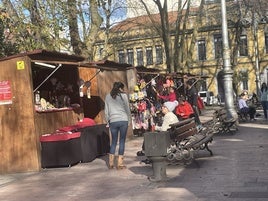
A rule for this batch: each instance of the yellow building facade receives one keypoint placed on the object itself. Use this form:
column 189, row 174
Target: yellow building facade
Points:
column 136, row 42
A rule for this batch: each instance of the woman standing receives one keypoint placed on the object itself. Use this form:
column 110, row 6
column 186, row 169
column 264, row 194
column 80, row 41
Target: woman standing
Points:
column 118, row 116
column 264, row 99
column 192, row 98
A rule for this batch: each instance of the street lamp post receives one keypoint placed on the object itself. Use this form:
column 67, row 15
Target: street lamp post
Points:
column 227, row 70
column 256, row 52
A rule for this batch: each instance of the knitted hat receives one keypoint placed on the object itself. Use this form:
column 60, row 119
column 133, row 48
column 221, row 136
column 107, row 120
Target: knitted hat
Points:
column 171, row 105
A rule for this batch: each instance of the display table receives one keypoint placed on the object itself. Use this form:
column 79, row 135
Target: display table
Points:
column 69, row 148
column 95, row 142
column 60, row 149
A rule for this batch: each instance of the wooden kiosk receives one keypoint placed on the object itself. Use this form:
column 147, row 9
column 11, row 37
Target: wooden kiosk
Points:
column 22, row 120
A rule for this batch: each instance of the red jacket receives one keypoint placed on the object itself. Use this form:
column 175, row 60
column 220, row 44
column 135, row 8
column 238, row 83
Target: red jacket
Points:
column 184, row 110
column 171, row 97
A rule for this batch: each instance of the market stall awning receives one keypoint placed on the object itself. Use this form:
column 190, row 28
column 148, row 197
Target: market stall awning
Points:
column 188, row 75
column 49, row 56
column 110, row 65
column 143, row 69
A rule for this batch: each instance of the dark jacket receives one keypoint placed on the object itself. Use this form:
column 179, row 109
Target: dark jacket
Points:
column 192, row 96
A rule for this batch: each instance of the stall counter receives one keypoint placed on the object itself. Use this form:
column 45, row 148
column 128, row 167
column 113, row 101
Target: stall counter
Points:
column 82, row 144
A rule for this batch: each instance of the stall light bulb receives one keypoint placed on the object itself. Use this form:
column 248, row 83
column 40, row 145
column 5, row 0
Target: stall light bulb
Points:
column 81, row 91
column 88, row 93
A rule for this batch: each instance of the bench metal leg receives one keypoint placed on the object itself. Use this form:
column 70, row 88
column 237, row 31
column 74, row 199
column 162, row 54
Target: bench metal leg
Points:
column 209, row 150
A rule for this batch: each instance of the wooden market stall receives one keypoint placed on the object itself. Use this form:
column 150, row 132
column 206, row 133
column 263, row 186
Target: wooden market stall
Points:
column 21, row 124
column 42, row 92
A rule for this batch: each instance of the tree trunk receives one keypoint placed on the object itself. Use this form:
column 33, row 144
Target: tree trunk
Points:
column 96, row 21
column 73, row 27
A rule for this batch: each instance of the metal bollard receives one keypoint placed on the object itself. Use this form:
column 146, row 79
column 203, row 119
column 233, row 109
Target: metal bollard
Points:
column 156, row 144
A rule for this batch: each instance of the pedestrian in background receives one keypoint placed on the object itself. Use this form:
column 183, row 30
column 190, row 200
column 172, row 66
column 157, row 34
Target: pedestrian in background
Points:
column 264, row 99
column 118, row 117
column 244, row 108
column 192, row 98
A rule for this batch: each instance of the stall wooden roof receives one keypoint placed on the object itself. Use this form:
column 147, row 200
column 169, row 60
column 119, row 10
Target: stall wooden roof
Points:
column 68, row 59
column 110, row 65
column 143, row 69
column 44, row 55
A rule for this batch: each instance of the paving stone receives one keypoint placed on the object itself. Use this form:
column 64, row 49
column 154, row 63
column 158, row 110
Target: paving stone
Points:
column 237, row 172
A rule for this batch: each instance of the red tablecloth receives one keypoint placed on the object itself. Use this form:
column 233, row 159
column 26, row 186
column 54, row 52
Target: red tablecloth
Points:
column 79, row 125
column 59, row 136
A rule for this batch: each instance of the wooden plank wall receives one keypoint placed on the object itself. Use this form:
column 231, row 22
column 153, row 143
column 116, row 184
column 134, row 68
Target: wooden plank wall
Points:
column 131, row 80
column 19, row 148
column 106, row 80
column 91, row 106
column 101, row 85
column 49, row 122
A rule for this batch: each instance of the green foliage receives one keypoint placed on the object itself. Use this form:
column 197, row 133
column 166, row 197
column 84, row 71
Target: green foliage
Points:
column 56, row 25
column 6, row 47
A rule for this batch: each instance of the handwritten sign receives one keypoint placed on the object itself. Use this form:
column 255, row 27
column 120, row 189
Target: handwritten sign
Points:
column 5, row 93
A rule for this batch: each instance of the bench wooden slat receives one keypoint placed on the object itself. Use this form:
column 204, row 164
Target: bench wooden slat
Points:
column 186, row 134
column 186, row 127
column 193, row 140
column 180, row 123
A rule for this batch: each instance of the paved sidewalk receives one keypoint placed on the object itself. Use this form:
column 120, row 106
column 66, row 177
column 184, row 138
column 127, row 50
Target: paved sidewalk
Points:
column 237, row 172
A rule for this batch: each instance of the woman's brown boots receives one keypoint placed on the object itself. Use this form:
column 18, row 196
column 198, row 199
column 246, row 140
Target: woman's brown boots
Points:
column 111, row 161
column 120, row 164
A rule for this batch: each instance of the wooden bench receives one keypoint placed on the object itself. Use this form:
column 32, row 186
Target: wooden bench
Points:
column 223, row 124
column 186, row 139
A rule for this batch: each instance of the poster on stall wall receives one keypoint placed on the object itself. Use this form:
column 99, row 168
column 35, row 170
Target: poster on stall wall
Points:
column 5, row 93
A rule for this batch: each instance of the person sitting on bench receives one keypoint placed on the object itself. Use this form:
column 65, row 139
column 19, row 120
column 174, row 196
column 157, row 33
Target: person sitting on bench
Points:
column 169, row 118
column 184, row 110
column 244, row 108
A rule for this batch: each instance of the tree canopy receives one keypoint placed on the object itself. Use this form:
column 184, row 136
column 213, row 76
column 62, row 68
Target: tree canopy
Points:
column 57, row 25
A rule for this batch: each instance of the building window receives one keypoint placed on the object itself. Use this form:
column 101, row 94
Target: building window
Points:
column 243, row 46
column 121, row 56
column 215, row 1
column 266, row 42
column 149, row 56
column 244, row 79
column 201, row 45
column 159, row 54
column 139, row 56
column 209, row 1
column 130, row 56
column 218, row 46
